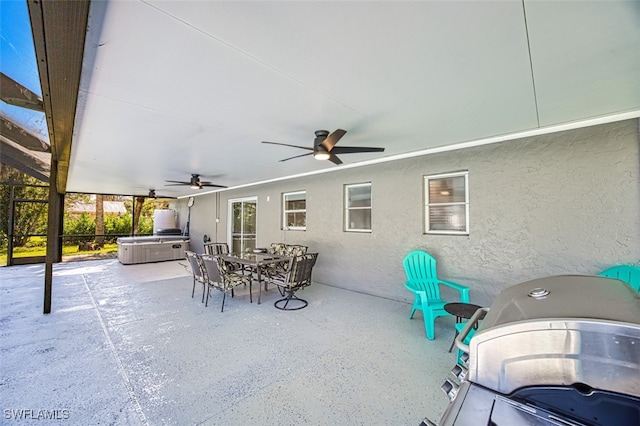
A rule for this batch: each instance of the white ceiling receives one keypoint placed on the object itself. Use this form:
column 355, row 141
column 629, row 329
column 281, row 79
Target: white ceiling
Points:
column 171, row 88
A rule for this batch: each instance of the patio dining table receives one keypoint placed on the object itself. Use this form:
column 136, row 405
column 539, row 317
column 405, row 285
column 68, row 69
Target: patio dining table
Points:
column 256, row 262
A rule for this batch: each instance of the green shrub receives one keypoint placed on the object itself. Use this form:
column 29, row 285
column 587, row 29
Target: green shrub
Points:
column 145, row 225
column 84, row 224
column 117, row 226
column 36, row 242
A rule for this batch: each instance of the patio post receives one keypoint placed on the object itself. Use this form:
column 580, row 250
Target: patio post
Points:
column 54, row 240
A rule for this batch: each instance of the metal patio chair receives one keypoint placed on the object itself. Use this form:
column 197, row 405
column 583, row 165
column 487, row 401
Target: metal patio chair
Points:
column 296, row 276
column 216, row 248
column 198, row 271
column 282, row 249
column 221, row 277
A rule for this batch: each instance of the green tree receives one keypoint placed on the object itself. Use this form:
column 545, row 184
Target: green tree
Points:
column 143, row 216
column 29, row 217
column 74, row 223
column 99, row 219
column 136, row 214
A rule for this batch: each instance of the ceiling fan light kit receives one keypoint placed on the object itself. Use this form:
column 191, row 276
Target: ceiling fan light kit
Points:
column 320, row 153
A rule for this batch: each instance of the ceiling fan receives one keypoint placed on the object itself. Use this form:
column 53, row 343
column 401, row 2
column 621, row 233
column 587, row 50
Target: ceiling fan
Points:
column 194, row 183
column 152, row 194
column 324, row 147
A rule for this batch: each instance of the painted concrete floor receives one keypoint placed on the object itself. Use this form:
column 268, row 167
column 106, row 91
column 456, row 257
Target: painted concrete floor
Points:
column 127, row 345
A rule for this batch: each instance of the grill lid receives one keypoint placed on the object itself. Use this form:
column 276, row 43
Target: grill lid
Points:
column 577, row 329
column 566, row 296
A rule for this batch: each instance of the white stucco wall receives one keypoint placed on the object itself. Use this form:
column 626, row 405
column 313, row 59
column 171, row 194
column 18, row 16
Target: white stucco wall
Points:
column 564, row 203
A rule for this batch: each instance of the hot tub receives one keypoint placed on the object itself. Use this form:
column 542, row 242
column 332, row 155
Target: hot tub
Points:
column 156, row 248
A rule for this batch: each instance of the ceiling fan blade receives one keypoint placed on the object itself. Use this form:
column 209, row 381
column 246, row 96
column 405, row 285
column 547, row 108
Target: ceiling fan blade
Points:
column 212, row 185
column 158, row 196
column 333, row 139
column 297, row 156
column 178, row 182
column 334, row 158
column 292, row 146
column 153, row 197
column 355, row 149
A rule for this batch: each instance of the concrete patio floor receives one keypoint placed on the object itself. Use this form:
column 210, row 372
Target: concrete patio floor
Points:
column 127, row 345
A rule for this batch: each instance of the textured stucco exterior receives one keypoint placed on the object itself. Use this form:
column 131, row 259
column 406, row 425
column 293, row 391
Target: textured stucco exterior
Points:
column 561, row 203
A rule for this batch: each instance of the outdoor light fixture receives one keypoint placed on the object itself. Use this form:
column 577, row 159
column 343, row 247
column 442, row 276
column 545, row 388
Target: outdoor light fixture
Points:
column 321, row 153
column 194, row 182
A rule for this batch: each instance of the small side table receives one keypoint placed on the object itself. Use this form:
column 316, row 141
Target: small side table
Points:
column 462, row 311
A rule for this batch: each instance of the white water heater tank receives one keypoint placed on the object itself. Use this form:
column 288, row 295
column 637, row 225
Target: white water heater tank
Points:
column 164, row 219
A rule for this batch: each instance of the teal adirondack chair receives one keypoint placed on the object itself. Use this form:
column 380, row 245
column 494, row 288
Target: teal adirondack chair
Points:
column 628, row 273
column 423, row 281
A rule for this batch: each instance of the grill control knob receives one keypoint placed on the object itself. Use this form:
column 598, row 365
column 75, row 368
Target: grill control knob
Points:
column 459, row 372
column 450, row 389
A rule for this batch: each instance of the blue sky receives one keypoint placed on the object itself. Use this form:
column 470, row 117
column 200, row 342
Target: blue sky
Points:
column 18, row 61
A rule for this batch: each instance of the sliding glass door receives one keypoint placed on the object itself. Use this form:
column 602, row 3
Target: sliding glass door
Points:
column 242, row 224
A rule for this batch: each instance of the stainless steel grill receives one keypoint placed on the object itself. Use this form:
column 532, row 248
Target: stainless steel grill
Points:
column 562, row 350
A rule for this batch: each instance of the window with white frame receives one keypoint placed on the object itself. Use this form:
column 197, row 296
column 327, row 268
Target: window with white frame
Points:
column 294, row 211
column 447, row 203
column 357, row 201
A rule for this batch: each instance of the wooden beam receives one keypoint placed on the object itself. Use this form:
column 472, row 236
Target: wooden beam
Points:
column 16, row 94
column 23, row 161
column 18, row 134
column 59, row 28
column 54, row 240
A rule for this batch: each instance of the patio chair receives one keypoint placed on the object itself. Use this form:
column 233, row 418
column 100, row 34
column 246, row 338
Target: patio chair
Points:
column 220, row 277
column 423, row 281
column 282, row 249
column 198, row 271
column 289, row 250
column 630, row 274
column 296, row 276
column 216, row 248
